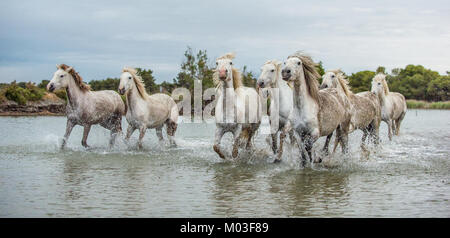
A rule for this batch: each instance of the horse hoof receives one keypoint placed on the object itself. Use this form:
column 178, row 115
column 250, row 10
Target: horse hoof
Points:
column 276, row 161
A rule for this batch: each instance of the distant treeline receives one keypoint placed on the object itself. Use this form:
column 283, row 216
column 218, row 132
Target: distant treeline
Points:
column 413, row 81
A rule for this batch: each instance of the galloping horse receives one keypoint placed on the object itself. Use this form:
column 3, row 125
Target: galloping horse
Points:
column 393, row 105
column 365, row 107
column 281, row 102
column 238, row 108
column 147, row 111
column 86, row 107
column 316, row 113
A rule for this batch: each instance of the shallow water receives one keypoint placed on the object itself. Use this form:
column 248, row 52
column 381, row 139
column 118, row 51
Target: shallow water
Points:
column 407, row 177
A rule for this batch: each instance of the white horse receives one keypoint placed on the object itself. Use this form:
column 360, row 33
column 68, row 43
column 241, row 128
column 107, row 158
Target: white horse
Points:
column 147, row 111
column 86, row 107
column 365, row 108
column 238, row 109
column 393, row 105
column 281, row 102
column 316, row 113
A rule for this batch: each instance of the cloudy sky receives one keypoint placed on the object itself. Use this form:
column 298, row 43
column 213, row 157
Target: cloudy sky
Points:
column 100, row 37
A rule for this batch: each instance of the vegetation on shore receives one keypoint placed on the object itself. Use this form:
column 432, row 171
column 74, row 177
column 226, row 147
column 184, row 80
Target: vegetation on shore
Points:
column 424, row 88
column 416, row 104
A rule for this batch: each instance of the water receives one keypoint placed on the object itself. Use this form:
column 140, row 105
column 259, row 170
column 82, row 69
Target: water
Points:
column 408, row 177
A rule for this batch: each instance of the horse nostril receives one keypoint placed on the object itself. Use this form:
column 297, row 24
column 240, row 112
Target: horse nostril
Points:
column 51, row 88
column 288, row 71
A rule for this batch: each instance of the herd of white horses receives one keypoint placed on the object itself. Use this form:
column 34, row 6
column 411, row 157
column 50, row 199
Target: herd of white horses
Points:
column 302, row 108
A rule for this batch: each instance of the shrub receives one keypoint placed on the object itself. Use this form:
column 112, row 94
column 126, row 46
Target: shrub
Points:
column 16, row 93
column 61, row 94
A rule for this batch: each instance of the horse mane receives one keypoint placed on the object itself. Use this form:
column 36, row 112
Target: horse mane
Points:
column 277, row 64
column 76, row 77
column 237, row 76
column 382, row 77
column 137, row 81
column 311, row 74
column 342, row 81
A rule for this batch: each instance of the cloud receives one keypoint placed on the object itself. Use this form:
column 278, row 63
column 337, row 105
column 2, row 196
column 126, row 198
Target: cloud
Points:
column 99, row 38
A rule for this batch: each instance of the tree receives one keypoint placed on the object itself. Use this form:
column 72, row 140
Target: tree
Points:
column 320, row 70
column 195, row 67
column 148, row 79
column 412, row 82
column 247, row 78
column 361, row 81
column 43, row 84
column 106, row 84
column 438, row 89
column 381, row 69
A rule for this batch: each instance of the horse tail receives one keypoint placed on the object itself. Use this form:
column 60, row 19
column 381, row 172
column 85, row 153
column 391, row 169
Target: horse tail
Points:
column 172, row 120
column 173, row 116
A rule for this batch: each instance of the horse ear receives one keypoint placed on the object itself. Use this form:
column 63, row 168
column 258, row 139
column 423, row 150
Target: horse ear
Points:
column 68, row 69
column 278, row 65
column 58, row 66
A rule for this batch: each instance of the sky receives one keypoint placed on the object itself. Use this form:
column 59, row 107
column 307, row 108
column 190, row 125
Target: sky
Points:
column 98, row 38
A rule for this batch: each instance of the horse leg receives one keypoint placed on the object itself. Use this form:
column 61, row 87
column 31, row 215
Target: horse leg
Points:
column 250, row 136
column 327, row 142
column 141, row 136
column 159, row 134
column 171, row 128
column 398, row 122
column 343, row 138
column 86, row 130
column 237, row 134
column 301, row 144
column 275, row 142
column 280, row 150
column 389, row 122
column 117, row 129
column 69, row 128
column 363, row 139
column 130, row 131
column 217, row 139
column 394, row 128
column 308, row 148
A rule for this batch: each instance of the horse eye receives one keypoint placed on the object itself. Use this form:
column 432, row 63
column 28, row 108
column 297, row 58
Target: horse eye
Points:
column 299, row 63
column 231, row 63
column 61, row 76
column 272, row 70
column 332, row 76
column 379, row 83
column 129, row 77
column 217, row 63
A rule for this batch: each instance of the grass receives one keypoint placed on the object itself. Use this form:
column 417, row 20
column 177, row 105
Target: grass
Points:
column 416, row 104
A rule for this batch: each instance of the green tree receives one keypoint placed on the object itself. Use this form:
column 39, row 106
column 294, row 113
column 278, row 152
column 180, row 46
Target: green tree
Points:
column 149, row 80
column 438, row 89
column 107, row 84
column 43, row 84
column 247, row 78
column 381, row 69
column 194, row 67
column 361, row 81
column 412, row 81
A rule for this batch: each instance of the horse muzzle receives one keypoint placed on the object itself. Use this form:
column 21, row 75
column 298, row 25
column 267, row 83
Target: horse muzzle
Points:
column 261, row 85
column 121, row 91
column 286, row 74
column 51, row 87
